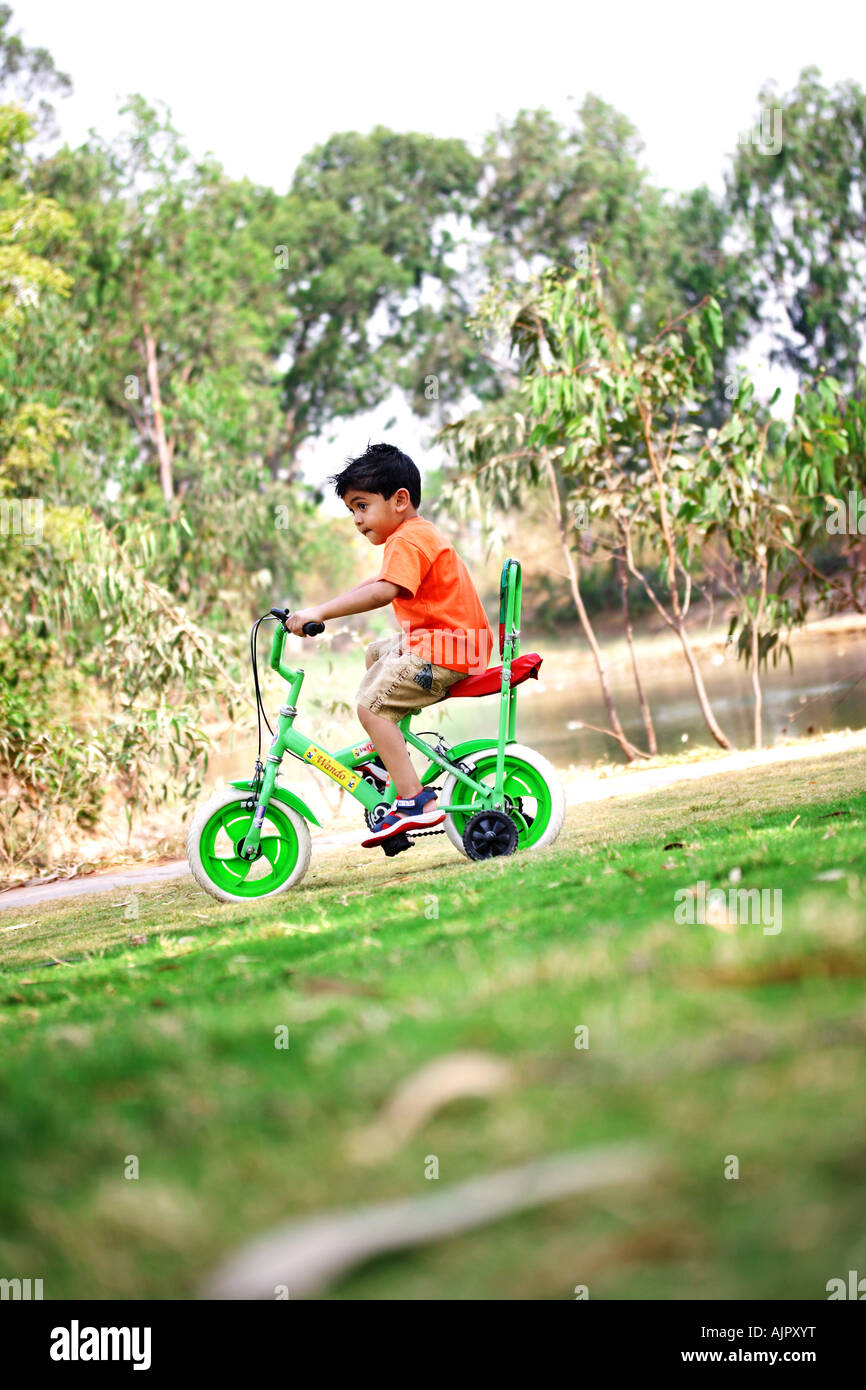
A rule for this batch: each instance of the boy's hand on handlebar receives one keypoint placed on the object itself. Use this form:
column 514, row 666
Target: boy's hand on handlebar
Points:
column 295, row 621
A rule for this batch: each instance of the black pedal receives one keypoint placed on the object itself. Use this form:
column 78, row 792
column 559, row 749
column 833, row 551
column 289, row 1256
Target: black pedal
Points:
column 396, row 844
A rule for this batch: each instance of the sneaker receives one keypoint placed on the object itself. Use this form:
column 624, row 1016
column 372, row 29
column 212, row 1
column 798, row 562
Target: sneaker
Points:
column 408, row 815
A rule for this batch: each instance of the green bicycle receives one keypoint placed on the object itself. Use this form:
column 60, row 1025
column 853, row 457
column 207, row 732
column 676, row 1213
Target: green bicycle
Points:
column 251, row 839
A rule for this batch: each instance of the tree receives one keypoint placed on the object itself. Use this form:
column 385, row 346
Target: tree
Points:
column 165, row 353
column 505, row 456
column 30, row 427
column 799, row 209
column 368, row 229
column 736, row 494
column 24, row 72
column 614, row 423
column 103, row 673
column 180, row 289
column 552, row 193
column 825, row 462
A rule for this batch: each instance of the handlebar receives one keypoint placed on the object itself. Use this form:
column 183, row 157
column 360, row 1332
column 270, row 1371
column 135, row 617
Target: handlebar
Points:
column 309, row 629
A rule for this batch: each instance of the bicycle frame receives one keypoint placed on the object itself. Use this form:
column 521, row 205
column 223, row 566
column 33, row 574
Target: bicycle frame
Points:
column 340, row 766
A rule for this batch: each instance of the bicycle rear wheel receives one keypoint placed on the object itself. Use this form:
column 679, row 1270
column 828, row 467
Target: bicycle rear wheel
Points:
column 531, row 788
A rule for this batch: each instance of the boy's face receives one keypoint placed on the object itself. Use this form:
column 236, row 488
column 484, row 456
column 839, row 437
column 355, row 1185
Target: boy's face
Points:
column 376, row 516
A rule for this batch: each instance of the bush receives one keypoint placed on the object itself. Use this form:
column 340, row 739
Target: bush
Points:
column 51, row 771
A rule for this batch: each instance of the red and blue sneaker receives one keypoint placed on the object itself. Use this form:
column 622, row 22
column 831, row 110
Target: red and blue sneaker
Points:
column 408, row 815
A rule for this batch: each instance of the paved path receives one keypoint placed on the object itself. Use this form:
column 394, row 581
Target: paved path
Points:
column 126, row 878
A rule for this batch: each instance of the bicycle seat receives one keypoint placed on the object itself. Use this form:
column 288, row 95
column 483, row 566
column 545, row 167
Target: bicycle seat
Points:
column 490, row 681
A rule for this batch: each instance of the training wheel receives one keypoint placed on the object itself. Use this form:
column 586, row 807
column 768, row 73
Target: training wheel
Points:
column 489, row 834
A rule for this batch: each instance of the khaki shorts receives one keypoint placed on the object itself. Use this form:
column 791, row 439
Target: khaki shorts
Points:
column 396, row 685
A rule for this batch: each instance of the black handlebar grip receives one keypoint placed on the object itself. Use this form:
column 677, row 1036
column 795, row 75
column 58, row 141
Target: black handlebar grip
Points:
column 310, row 629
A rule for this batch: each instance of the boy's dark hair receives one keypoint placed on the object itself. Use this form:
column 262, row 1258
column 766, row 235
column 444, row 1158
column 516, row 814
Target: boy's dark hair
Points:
column 381, row 468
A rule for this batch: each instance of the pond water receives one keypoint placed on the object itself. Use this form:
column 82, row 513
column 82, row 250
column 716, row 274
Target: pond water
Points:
column 825, row 691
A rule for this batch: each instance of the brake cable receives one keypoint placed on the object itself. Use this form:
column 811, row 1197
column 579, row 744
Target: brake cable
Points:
column 258, row 775
column 260, row 709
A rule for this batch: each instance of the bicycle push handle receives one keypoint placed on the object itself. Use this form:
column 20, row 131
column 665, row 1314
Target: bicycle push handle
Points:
column 310, row 629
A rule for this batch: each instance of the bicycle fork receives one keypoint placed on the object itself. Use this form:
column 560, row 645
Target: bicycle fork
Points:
column 250, row 843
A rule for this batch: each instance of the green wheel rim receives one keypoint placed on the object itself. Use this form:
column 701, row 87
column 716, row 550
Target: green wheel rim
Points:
column 248, row 878
column 521, row 780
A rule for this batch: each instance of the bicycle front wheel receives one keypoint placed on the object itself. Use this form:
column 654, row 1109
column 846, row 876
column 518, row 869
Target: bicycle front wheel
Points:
column 216, row 835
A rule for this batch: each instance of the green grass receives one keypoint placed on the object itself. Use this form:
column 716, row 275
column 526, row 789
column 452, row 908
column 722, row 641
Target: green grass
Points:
column 703, row 1043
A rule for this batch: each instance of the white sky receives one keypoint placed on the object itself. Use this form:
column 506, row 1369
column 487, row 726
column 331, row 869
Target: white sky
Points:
column 259, row 84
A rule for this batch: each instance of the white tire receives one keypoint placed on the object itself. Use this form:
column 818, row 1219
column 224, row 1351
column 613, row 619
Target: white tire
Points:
column 536, row 765
column 198, row 860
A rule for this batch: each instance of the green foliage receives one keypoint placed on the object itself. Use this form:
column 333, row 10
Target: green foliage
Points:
column 365, row 226
column 557, row 192
column 825, row 462
column 622, row 431
column 799, row 208
column 26, row 72
column 107, row 577
column 30, row 427
column 169, row 269
column 51, row 772
column 142, row 673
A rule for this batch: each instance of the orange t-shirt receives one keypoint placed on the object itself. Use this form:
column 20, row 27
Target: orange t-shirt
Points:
column 443, row 618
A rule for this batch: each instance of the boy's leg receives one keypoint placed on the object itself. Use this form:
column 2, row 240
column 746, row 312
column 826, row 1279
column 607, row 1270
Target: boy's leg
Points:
column 386, row 694
column 397, row 684
column 391, row 747
column 382, row 731
column 415, row 807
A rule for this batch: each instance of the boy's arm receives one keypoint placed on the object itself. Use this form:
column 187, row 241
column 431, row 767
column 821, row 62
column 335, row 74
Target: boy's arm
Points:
column 373, row 593
column 363, row 585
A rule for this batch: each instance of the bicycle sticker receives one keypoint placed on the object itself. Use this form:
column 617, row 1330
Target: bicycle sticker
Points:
column 325, row 763
column 363, row 748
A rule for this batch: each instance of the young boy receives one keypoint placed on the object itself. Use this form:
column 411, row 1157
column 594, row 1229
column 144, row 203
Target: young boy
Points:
column 445, row 633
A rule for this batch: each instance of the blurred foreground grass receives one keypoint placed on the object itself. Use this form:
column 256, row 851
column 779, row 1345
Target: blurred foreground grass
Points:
column 704, row 1042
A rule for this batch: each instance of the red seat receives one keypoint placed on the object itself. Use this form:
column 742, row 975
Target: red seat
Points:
column 490, row 681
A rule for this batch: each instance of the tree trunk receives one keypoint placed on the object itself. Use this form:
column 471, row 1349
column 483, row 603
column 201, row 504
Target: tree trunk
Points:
column 756, row 649
column 700, row 689
column 628, row 749
column 163, row 451
column 679, row 618
column 284, row 445
column 642, row 700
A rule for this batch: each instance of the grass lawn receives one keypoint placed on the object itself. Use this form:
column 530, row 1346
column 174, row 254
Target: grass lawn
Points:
column 704, row 1041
